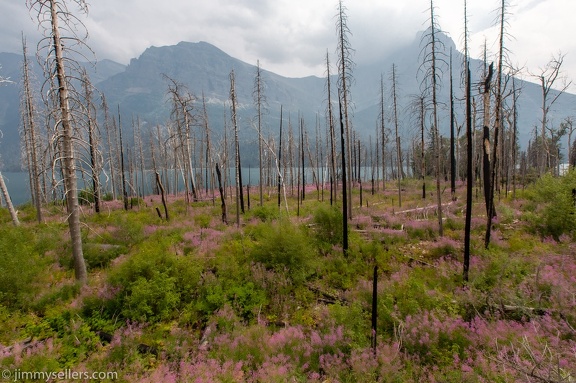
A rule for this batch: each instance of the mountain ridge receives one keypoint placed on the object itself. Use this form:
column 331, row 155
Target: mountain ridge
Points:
column 139, row 89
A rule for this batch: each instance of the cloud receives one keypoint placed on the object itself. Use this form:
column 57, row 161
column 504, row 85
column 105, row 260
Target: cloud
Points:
column 291, row 36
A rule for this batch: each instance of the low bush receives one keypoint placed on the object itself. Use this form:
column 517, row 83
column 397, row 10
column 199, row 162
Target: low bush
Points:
column 99, row 255
column 283, row 246
column 328, row 228
column 21, row 267
column 154, row 282
column 555, row 210
column 86, row 196
column 265, row 213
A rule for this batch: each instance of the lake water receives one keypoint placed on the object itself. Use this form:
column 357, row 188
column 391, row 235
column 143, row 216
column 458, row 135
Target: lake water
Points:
column 18, row 183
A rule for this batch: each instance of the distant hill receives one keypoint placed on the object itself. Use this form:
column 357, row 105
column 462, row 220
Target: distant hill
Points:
column 139, row 89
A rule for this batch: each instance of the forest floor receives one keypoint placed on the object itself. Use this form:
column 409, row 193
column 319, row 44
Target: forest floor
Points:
column 275, row 299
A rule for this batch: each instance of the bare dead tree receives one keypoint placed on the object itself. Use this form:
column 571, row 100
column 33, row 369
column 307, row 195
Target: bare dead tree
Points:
column 93, row 140
column 432, row 53
column 332, row 133
column 452, row 138
column 280, row 159
column 222, row 195
column 55, row 17
column 516, row 94
column 303, row 158
column 345, row 65
column 182, row 115
column 30, row 133
column 491, row 210
column 398, row 144
column 469, row 150
column 209, row 158
column 111, row 135
column 121, row 162
column 383, row 132
column 140, row 151
column 422, row 108
column 291, row 155
column 6, row 195
column 344, row 188
column 239, row 186
column 549, row 76
column 3, row 188
column 260, row 101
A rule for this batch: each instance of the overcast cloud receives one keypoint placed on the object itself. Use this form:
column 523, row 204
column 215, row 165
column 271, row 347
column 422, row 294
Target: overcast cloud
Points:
column 290, row 37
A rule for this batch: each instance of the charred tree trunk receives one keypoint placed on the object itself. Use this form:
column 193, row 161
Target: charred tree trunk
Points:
column 280, row 160
column 222, row 196
column 344, row 197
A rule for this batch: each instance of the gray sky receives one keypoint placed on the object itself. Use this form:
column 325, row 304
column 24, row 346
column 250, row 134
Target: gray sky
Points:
column 290, row 37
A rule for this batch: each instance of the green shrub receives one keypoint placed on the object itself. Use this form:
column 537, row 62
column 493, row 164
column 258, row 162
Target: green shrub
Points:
column 130, row 228
column 63, row 293
column 136, row 201
column 153, row 283
column 216, row 292
column 284, row 246
column 21, row 267
column 152, row 299
column 328, row 228
column 203, row 220
column 556, row 212
column 265, row 213
column 98, row 255
column 86, row 196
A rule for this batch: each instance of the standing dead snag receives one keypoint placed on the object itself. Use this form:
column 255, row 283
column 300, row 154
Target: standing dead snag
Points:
column 469, row 152
column 431, row 83
column 182, row 107
column 29, row 130
column 330, row 117
column 344, row 199
column 239, row 192
column 162, row 193
column 383, row 135
column 452, row 139
column 49, row 14
column 92, row 140
column 8, row 201
column 548, row 78
column 345, row 65
column 490, row 209
column 222, row 196
column 3, row 188
column 398, row 145
column 260, row 101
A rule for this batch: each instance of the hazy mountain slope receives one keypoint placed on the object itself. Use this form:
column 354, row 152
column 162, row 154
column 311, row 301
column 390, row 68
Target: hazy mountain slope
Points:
column 139, row 89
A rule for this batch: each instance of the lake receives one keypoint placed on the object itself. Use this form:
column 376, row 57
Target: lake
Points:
column 17, row 184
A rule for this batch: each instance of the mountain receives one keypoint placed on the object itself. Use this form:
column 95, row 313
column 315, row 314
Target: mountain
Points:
column 139, row 89
column 203, row 69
